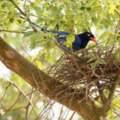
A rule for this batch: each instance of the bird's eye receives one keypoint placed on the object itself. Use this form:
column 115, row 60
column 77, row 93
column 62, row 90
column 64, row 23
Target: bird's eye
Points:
column 88, row 35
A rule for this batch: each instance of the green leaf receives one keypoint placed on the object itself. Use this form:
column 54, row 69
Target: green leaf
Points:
column 96, row 63
column 28, row 33
column 39, row 64
column 69, row 40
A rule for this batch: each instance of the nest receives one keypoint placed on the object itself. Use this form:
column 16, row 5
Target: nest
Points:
column 90, row 72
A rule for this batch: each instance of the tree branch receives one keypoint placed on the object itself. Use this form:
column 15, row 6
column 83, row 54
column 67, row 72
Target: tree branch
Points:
column 11, row 31
column 45, row 84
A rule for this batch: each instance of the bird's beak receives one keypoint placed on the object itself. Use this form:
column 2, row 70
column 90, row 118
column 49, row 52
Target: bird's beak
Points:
column 94, row 40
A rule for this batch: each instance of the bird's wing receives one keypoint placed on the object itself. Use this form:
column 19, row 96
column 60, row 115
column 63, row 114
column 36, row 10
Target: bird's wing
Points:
column 62, row 39
column 62, row 33
column 77, row 43
column 61, row 36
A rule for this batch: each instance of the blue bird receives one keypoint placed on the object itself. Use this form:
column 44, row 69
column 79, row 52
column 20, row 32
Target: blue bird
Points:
column 80, row 41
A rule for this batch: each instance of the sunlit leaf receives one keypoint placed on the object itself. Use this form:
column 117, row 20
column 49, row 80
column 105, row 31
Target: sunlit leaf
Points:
column 70, row 39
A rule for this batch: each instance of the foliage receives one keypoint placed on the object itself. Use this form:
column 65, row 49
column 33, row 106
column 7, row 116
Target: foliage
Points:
column 102, row 17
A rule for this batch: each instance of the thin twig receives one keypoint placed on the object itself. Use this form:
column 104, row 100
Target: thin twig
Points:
column 12, row 31
column 24, row 14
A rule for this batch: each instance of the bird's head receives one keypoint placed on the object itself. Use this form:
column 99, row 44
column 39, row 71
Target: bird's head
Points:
column 90, row 36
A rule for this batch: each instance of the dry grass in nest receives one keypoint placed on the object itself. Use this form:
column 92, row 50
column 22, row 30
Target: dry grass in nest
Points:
column 90, row 72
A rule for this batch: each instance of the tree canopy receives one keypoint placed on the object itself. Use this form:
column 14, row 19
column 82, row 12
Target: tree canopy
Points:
column 89, row 86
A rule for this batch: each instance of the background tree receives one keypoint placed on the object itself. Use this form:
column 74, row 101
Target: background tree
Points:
column 88, row 86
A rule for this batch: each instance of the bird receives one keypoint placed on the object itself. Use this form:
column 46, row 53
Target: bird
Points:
column 80, row 40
